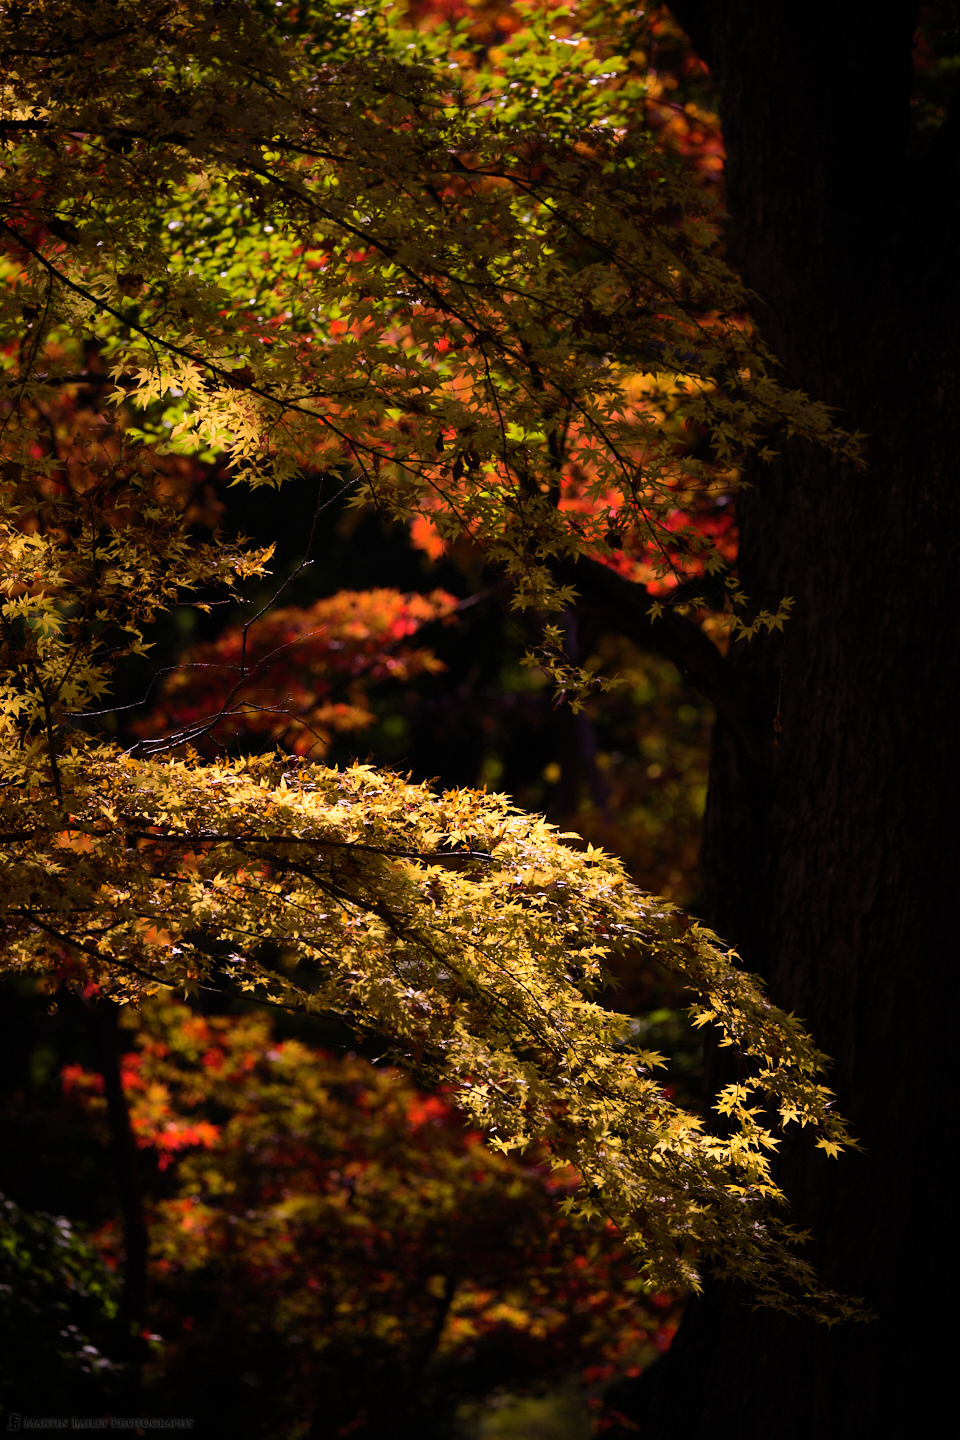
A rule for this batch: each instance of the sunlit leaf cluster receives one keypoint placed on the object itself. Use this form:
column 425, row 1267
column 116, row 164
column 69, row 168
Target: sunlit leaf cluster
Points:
column 320, row 251
column 466, row 932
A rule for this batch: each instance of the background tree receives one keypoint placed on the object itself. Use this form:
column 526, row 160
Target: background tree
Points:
column 841, row 185
column 334, row 1253
column 58, row 1309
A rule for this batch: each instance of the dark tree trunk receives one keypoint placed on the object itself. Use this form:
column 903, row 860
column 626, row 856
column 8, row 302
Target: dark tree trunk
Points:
column 829, row 852
column 100, row 1016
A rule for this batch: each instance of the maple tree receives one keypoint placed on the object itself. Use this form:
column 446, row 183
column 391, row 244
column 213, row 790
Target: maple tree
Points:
column 294, row 662
column 488, row 300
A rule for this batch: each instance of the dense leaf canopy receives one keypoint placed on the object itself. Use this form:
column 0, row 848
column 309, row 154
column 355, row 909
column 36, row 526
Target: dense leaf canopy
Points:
column 477, row 295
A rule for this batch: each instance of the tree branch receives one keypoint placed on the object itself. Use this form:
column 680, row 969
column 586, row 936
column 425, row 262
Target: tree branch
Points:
column 100, row 1017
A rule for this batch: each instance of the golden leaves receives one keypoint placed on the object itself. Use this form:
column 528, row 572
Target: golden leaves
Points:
column 331, row 890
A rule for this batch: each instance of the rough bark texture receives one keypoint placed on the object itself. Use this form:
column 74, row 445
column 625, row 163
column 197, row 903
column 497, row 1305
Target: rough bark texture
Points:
column 830, row 853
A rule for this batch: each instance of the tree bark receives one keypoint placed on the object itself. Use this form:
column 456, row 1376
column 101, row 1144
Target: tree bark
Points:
column 829, row 853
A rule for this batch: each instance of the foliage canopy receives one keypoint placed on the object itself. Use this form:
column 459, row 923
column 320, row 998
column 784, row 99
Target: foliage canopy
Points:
column 477, row 294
